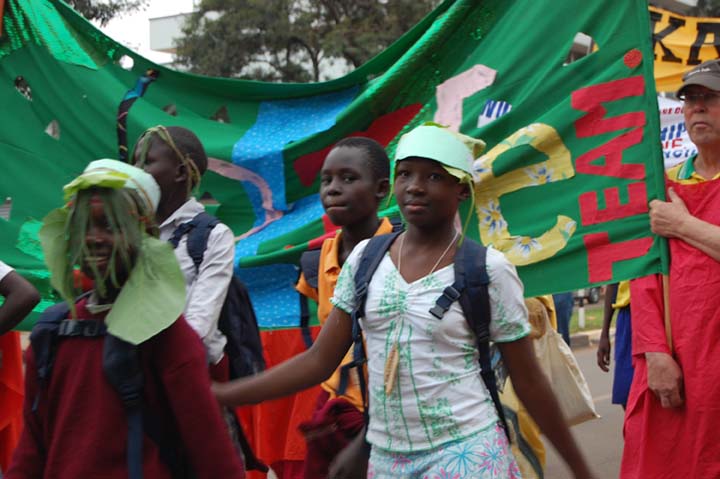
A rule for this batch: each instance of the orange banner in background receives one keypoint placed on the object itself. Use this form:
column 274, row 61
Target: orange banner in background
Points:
column 679, row 43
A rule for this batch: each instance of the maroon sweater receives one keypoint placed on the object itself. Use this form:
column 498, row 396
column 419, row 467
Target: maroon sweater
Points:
column 80, row 427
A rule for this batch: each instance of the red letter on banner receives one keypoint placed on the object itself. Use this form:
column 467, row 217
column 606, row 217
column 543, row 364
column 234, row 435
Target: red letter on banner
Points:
column 612, row 151
column 590, row 100
column 602, row 254
column 637, row 204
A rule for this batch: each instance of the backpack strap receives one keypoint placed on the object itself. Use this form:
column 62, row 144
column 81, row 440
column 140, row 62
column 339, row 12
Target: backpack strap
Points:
column 123, row 370
column 43, row 340
column 309, row 267
column 471, row 290
column 369, row 261
column 198, row 230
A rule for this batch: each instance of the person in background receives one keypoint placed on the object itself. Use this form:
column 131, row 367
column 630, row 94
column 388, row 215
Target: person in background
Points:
column 354, row 180
column 564, row 303
column 617, row 298
column 175, row 157
column 672, row 415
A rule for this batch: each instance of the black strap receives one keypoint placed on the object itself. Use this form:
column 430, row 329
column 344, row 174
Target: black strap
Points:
column 371, row 257
column 474, row 299
column 198, row 231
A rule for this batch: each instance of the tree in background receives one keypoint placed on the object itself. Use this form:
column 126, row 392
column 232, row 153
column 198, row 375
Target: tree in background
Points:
column 291, row 40
column 104, row 11
column 707, row 8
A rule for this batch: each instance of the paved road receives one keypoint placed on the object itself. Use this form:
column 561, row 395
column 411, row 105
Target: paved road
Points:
column 600, row 439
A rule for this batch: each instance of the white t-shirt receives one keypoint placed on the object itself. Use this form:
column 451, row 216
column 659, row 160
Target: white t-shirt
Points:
column 4, row 270
column 439, row 395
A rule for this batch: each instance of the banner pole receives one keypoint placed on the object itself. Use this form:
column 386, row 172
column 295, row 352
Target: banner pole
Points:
column 666, row 309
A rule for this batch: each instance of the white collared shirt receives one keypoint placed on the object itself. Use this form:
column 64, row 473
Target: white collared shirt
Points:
column 206, row 289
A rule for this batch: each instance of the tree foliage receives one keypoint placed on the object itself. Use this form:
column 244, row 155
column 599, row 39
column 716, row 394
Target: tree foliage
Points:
column 104, row 11
column 707, row 8
column 291, row 40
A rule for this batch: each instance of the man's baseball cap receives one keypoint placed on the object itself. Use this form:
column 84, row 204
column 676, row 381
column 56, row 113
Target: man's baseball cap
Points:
column 706, row 74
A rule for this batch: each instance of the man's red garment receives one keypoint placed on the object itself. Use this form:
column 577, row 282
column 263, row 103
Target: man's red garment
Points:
column 679, row 442
column 11, row 395
column 80, row 427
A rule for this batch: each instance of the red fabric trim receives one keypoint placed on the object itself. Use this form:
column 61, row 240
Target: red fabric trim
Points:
column 383, row 130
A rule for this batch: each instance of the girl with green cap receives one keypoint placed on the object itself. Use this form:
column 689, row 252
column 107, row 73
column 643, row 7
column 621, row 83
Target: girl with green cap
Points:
column 107, row 229
column 430, row 414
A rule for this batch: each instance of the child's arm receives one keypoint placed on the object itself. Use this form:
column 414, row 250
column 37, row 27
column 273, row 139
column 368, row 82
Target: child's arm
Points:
column 300, row 372
column 20, row 298
column 603, row 351
column 28, row 460
column 534, row 392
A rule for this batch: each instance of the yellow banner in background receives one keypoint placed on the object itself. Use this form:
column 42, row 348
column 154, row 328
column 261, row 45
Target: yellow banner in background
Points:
column 679, row 43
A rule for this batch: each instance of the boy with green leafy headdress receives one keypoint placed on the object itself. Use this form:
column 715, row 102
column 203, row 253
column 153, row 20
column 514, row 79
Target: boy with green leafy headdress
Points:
column 73, row 403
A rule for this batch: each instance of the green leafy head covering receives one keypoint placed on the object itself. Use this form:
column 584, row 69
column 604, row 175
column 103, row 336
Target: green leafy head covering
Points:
column 152, row 292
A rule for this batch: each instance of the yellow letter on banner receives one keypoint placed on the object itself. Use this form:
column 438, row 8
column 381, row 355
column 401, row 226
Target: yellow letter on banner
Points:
column 522, row 250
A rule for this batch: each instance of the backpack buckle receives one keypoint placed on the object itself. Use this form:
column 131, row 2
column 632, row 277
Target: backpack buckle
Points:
column 443, row 303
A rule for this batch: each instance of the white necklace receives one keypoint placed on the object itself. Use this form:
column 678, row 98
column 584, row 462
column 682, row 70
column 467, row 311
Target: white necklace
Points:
column 392, row 362
column 432, row 270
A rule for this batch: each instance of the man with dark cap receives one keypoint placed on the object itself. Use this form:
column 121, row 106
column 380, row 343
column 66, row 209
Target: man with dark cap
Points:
column 672, row 414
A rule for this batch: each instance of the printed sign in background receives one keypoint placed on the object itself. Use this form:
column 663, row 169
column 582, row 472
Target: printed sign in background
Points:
column 677, row 146
column 679, row 43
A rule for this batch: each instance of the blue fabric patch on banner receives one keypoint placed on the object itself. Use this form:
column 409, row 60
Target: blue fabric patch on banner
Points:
column 272, row 287
column 278, row 123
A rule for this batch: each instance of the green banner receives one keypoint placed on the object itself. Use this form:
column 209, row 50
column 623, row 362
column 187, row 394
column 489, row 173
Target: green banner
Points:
column 573, row 156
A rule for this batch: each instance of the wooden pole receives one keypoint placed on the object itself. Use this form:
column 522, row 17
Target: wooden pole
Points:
column 666, row 310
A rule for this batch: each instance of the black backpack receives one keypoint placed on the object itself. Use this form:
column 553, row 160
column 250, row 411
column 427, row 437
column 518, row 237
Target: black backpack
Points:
column 122, row 368
column 309, row 266
column 470, row 289
column 237, row 319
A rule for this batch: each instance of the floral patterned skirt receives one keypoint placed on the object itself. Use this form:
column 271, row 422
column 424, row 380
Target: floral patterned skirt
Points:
column 486, row 455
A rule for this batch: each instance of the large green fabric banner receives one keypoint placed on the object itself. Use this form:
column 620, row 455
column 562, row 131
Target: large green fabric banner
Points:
column 573, row 153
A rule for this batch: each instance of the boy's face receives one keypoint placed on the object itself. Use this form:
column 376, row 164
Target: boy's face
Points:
column 100, row 242
column 426, row 193
column 162, row 163
column 349, row 191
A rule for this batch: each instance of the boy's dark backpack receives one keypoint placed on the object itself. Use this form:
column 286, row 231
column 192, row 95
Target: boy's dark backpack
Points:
column 237, row 319
column 122, row 368
column 470, row 289
column 309, row 267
